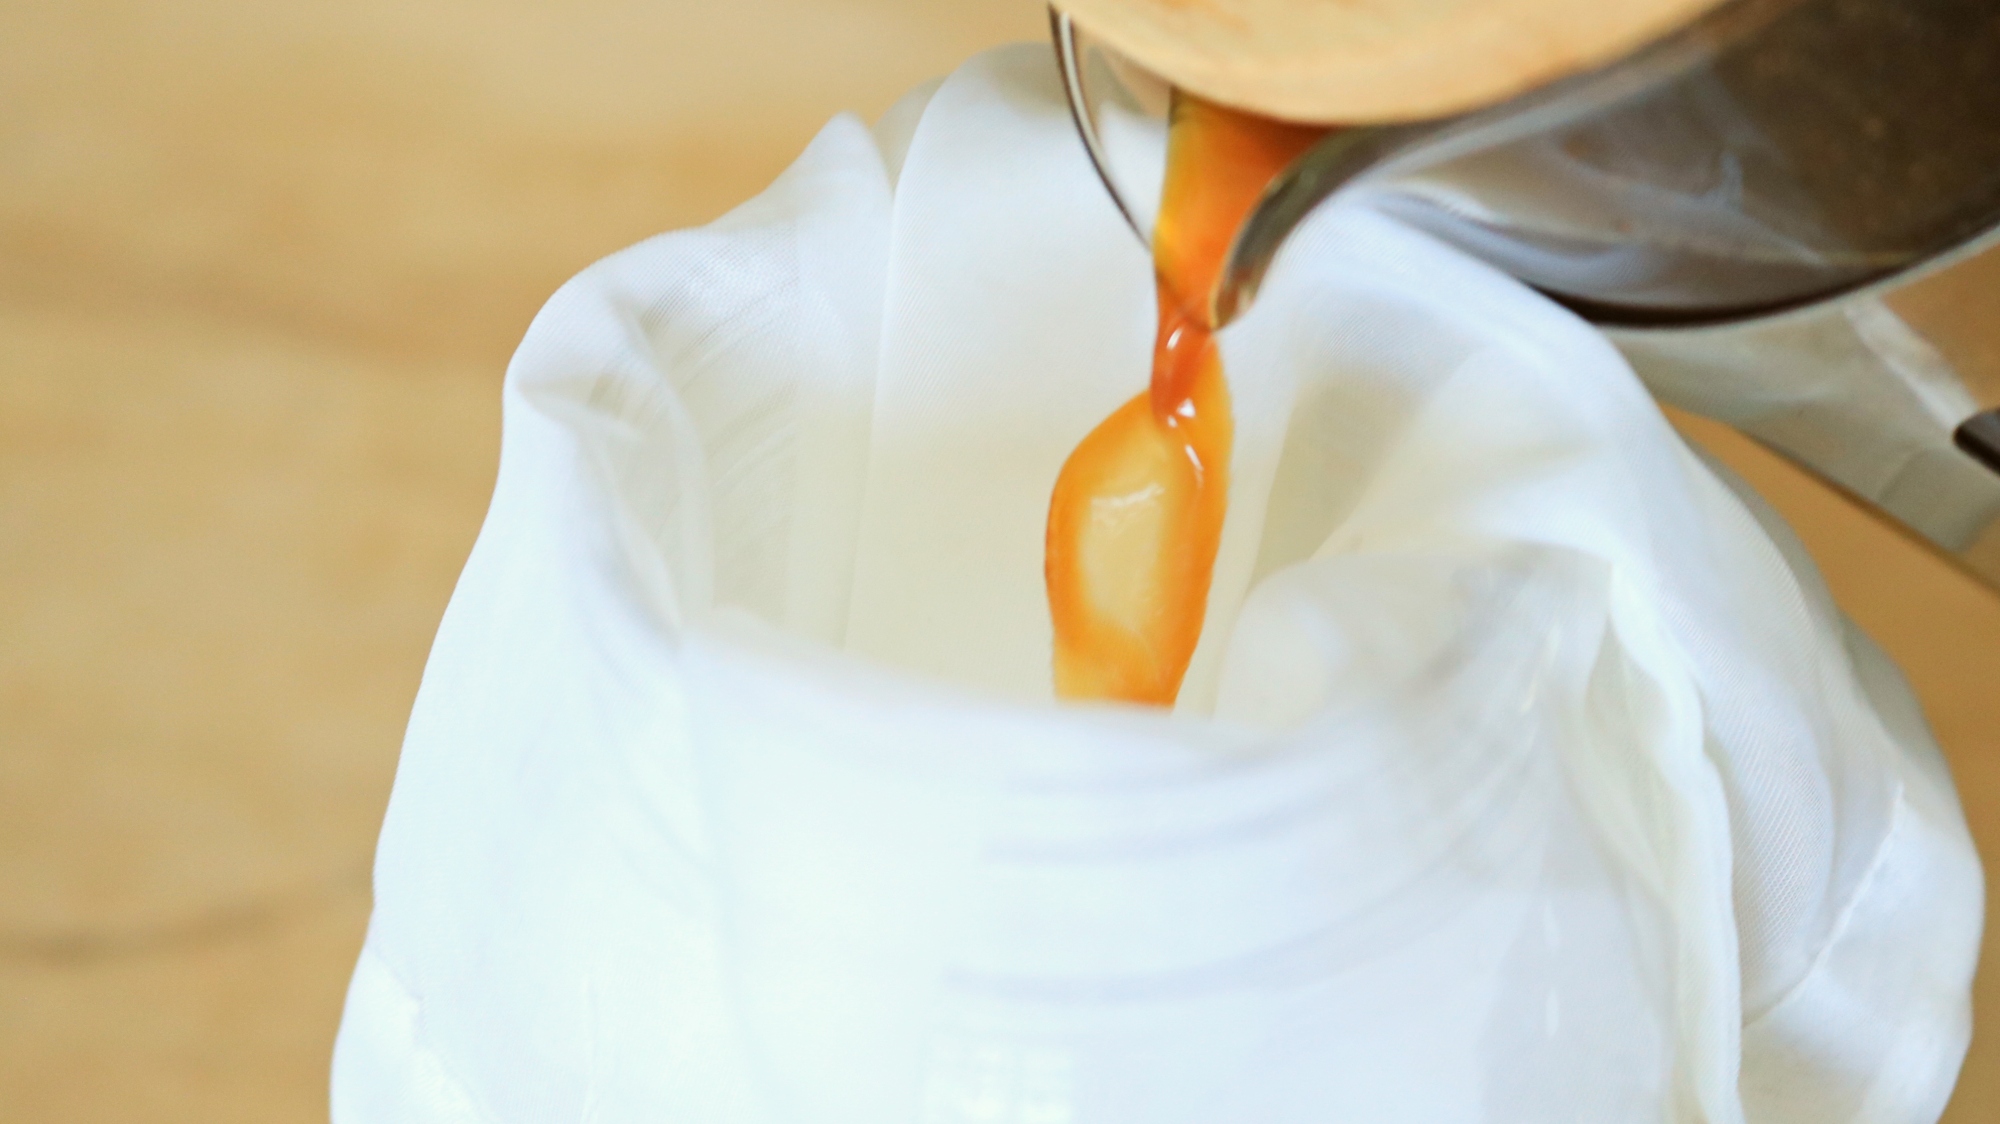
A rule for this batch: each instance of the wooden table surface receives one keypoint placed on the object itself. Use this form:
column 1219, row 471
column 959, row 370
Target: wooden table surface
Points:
column 261, row 266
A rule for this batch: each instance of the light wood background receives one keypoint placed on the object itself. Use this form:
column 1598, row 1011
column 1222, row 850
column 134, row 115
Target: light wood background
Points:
column 261, row 266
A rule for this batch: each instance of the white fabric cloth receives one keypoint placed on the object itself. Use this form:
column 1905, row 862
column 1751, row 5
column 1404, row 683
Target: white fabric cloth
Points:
column 1521, row 776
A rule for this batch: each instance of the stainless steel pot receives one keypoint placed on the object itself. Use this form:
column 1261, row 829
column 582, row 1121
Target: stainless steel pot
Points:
column 1787, row 215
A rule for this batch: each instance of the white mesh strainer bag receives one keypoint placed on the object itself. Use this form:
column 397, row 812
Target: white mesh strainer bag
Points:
column 1525, row 773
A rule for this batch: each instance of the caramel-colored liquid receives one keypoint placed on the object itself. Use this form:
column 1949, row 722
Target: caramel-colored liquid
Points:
column 1137, row 513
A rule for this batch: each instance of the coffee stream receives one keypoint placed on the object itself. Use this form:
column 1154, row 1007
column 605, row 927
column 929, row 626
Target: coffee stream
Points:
column 1137, row 513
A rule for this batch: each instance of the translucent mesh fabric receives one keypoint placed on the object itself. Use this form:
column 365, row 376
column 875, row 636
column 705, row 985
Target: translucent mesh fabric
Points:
column 1522, row 776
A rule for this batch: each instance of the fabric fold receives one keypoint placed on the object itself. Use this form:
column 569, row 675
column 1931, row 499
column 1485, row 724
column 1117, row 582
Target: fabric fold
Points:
column 1526, row 772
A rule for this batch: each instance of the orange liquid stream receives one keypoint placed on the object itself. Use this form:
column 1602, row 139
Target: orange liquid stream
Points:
column 1138, row 508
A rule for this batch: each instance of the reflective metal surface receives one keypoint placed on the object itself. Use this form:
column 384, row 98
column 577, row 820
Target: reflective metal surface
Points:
column 1775, row 153
column 1785, row 214
column 1837, row 144
column 1883, row 393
